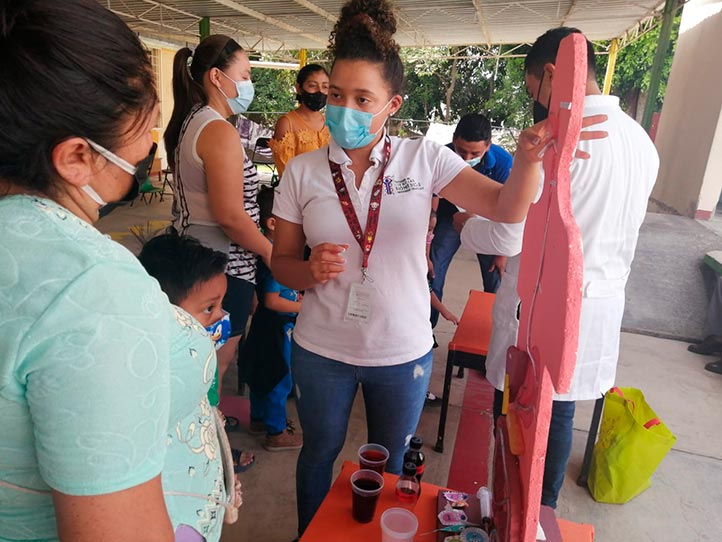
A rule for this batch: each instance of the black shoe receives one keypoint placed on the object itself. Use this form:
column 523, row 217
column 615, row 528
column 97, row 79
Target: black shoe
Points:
column 710, row 346
column 714, row 366
column 432, row 400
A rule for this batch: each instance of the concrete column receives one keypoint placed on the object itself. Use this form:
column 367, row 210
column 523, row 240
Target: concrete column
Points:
column 689, row 139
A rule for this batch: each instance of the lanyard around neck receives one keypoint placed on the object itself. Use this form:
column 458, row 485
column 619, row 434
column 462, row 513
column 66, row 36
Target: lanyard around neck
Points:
column 365, row 239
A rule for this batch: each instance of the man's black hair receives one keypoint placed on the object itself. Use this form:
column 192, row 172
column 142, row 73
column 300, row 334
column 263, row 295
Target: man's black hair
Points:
column 545, row 50
column 473, row 127
column 265, row 205
column 179, row 263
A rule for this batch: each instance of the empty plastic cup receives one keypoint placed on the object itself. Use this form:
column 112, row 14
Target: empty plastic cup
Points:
column 398, row 525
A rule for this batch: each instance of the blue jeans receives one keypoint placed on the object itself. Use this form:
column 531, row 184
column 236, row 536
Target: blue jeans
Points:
column 393, row 395
column 445, row 244
column 559, row 446
column 271, row 407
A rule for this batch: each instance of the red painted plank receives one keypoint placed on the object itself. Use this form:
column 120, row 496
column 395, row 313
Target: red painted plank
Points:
column 470, row 458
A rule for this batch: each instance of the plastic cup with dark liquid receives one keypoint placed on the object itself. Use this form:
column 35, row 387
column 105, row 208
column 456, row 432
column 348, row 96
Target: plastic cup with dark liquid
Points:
column 373, row 457
column 366, row 486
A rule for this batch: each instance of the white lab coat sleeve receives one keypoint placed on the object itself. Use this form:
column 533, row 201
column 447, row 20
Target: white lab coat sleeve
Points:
column 486, row 237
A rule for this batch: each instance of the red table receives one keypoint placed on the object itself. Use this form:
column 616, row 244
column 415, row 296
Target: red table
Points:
column 333, row 521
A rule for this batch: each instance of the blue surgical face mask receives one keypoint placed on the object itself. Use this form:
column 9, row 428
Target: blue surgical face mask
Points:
column 351, row 128
column 220, row 330
column 113, row 158
column 244, row 95
column 474, row 161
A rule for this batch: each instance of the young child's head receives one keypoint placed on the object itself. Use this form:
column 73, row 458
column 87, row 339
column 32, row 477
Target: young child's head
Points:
column 265, row 207
column 191, row 275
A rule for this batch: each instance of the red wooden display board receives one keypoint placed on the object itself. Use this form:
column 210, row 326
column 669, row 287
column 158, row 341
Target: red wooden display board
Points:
column 550, row 288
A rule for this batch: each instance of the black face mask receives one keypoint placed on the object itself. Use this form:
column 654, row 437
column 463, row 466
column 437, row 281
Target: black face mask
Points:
column 539, row 112
column 315, row 101
column 141, row 175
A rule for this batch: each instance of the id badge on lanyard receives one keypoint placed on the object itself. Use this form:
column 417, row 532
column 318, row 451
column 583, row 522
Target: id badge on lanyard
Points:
column 361, row 295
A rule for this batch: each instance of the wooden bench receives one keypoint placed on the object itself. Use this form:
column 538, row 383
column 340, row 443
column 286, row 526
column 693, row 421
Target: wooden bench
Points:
column 467, row 348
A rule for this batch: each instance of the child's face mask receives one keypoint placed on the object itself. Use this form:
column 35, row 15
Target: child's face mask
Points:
column 220, row 330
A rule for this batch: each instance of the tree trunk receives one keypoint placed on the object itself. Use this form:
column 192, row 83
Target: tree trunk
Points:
column 450, row 89
column 631, row 98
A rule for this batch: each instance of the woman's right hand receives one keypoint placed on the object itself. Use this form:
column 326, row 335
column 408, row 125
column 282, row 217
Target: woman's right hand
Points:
column 326, row 262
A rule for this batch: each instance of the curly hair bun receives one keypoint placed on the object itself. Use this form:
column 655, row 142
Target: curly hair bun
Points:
column 368, row 25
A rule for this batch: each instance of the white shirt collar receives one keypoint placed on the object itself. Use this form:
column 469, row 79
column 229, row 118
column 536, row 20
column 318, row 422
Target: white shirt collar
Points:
column 339, row 156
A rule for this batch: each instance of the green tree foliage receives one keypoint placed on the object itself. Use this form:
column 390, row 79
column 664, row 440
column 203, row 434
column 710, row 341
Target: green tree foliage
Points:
column 275, row 92
column 510, row 104
column 445, row 83
column 634, row 64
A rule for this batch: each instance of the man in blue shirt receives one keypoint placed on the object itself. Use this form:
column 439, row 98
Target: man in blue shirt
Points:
column 471, row 141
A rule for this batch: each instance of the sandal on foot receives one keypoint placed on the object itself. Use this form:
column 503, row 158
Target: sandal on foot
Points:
column 238, row 465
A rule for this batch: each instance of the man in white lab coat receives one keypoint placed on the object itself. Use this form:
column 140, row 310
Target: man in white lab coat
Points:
column 609, row 199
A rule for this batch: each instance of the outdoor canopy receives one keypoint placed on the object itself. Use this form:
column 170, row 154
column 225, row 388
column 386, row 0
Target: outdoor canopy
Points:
column 273, row 25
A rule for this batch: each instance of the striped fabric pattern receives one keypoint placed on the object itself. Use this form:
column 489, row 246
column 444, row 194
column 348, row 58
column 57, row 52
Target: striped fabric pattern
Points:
column 241, row 262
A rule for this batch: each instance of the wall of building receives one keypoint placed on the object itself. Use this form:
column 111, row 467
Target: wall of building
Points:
column 689, row 139
column 162, row 56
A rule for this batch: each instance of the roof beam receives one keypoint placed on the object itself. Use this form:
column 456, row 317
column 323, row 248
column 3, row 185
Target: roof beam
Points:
column 415, row 34
column 569, row 12
column 482, row 22
column 317, row 10
column 269, row 20
column 195, row 17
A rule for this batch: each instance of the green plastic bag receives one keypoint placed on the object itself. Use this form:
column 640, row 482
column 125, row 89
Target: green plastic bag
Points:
column 632, row 443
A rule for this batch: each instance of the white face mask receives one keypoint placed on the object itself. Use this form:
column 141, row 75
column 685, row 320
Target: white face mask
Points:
column 110, row 156
column 474, row 161
column 244, row 95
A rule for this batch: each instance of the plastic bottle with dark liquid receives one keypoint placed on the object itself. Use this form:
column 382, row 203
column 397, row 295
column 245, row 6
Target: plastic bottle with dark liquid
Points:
column 416, row 456
column 408, row 488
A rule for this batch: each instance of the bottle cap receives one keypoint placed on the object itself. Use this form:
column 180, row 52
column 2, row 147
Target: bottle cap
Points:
column 416, row 443
column 409, row 468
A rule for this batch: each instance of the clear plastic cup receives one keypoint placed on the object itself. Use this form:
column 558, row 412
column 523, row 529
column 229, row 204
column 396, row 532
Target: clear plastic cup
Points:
column 373, row 457
column 398, row 525
column 366, row 486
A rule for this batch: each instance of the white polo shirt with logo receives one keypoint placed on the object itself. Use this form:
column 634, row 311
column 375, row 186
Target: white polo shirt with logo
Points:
column 398, row 330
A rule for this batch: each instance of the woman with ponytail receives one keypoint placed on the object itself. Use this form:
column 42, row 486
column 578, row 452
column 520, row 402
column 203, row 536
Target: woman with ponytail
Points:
column 216, row 183
column 363, row 204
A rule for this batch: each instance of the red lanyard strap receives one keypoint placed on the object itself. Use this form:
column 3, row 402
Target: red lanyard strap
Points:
column 365, row 239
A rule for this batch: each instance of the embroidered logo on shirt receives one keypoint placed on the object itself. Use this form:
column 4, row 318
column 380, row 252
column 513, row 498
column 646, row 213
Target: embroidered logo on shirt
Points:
column 393, row 186
column 388, row 185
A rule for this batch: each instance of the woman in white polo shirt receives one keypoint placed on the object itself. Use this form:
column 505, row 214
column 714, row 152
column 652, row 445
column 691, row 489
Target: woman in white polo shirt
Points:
column 365, row 317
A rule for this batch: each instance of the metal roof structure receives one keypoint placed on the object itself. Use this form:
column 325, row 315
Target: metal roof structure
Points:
column 275, row 25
